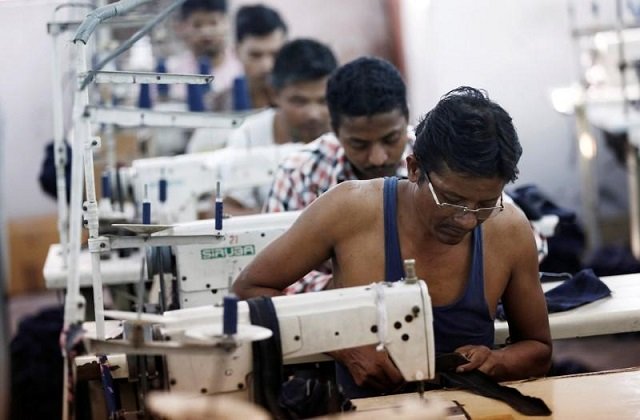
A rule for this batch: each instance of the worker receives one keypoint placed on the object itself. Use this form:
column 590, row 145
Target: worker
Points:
column 260, row 32
column 203, row 27
column 472, row 248
column 367, row 104
column 299, row 81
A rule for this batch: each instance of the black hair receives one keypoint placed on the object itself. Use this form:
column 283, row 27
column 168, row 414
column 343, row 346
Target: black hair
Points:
column 302, row 60
column 257, row 20
column 192, row 6
column 470, row 134
column 365, row 87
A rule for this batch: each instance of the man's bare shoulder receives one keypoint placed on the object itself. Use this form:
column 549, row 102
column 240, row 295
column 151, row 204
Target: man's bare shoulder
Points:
column 511, row 226
column 353, row 201
column 360, row 192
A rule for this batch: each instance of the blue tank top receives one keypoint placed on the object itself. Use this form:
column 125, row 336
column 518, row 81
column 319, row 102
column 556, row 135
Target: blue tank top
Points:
column 466, row 321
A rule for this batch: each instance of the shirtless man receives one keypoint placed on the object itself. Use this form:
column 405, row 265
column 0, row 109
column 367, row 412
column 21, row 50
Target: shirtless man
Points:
column 472, row 249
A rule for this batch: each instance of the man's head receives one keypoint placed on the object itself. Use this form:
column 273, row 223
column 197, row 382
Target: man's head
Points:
column 299, row 81
column 368, row 107
column 466, row 150
column 203, row 26
column 260, row 33
column 469, row 134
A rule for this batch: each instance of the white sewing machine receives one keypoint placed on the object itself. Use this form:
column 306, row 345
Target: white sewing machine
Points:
column 192, row 176
column 201, row 359
column 206, row 271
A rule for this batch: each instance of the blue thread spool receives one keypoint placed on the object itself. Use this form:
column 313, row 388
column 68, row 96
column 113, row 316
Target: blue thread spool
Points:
column 241, row 98
column 106, row 185
column 219, row 207
column 146, row 209
column 162, row 187
column 230, row 315
column 144, row 96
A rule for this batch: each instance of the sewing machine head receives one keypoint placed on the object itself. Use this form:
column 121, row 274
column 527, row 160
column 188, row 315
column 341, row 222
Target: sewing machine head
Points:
column 205, row 272
column 175, row 185
column 395, row 316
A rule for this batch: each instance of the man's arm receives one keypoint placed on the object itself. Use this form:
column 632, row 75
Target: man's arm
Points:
column 307, row 244
column 529, row 355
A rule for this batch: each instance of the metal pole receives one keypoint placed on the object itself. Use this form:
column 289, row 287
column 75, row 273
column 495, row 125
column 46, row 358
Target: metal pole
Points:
column 59, row 150
column 4, row 330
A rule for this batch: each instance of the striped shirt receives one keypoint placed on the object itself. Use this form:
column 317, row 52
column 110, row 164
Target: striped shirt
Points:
column 303, row 176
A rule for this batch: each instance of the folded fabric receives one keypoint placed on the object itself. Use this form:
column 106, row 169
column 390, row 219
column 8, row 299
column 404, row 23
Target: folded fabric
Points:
column 481, row 384
column 584, row 287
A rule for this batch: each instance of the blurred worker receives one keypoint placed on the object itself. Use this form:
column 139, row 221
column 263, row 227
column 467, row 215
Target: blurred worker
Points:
column 260, row 33
column 299, row 80
column 204, row 29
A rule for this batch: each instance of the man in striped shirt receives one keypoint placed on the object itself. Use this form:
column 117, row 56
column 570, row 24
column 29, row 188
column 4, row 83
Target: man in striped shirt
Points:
column 370, row 139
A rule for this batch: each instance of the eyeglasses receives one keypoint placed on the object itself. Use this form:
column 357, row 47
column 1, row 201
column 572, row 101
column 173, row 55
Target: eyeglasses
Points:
column 482, row 213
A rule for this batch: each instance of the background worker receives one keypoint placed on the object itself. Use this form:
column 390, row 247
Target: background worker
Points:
column 298, row 81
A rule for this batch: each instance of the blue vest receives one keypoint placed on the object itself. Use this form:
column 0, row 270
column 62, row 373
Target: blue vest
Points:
column 465, row 321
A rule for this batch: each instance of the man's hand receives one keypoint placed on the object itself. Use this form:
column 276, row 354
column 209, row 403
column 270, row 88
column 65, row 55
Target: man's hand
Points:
column 481, row 358
column 370, row 368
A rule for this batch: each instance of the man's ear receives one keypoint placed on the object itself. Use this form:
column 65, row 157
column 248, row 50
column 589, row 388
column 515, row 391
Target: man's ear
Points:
column 413, row 169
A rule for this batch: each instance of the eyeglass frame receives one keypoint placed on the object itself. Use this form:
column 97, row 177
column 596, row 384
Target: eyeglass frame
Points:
column 458, row 209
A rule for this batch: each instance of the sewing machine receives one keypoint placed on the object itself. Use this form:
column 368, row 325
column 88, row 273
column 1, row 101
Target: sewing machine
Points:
column 201, row 359
column 206, row 271
column 190, row 177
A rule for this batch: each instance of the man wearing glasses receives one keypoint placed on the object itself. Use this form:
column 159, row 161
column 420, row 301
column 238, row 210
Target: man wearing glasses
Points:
column 472, row 249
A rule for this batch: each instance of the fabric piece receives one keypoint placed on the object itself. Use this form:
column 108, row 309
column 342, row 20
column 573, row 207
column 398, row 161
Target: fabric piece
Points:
column 584, row 287
column 47, row 177
column 566, row 246
column 479, row 383
column 304, row 396
column 268, row 374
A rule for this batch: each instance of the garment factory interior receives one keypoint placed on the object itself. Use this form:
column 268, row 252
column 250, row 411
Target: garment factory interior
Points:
column 287, row 209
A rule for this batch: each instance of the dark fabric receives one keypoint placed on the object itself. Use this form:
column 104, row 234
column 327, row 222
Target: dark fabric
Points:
column 582, row 288
column 479, row 383
column 37, row 367
column 612, row 260
column 267, row 357
column 47, row 177
column 305, row 395
column 393, row 266
column 568, row 243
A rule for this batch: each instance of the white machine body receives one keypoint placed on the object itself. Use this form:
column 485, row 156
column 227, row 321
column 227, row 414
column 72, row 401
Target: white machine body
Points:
column 192, row 176
column 396, row 316
column 205, row 272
